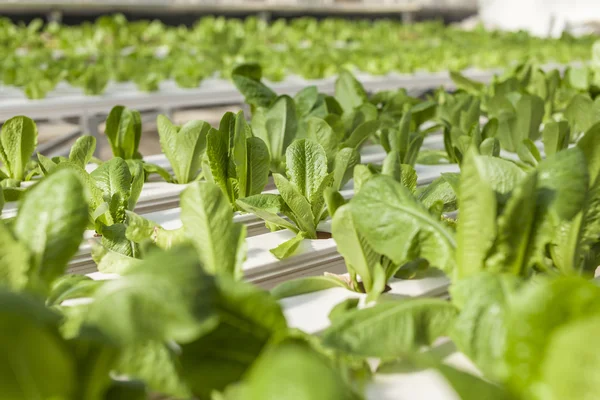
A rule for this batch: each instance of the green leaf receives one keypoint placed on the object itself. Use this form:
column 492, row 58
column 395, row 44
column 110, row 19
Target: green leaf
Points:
column 555, row 137
column 471, row 387
column 82, row 151
column 258, row 167
column 157, row 299
column 440, row 190
column 247, row 320
column 306, row 166
column 160, row 171
column 320, row 132
column 306, row 99
column 184, row 146
column 136, row 169
column 18, row 140
column 391, row 218
column 124, row 131
column 298, row 205
column 305, row 285
column 156, row 364
column 349, row 92
column 217, row 154
column 343, row 166
column 362, row 132
column 391, row 329
column 514, row 225
column 247, row 78
column 480, row 329
column 590, row 145
column 267, row 207
column 50, row 223
column 35, row 362
column 359, row 256
column 277, row 127
column 287, row 248
column 113, row 178
column 481, row 178
column 14, row 260
column 208, row 222
column 582, row 114
column 536, row 315
column 403, row 173
column 562, row 379
column 292, row 370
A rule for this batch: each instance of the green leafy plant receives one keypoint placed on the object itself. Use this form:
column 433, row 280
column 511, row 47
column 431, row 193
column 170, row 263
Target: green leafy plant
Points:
column 300, row 197
column 235, row 160
column 124, row 131
column 184, row 146
column 18, row 140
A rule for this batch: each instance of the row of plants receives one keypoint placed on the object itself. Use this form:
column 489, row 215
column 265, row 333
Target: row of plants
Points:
column 38, row 56
column 180, row 322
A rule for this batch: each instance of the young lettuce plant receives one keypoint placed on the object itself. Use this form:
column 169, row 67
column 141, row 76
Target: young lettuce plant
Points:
column 18, row 140
column 300, row 197
column 124, row 131
column 235, row 160
column 207, row 219
column 184, row 146
column 369, row 270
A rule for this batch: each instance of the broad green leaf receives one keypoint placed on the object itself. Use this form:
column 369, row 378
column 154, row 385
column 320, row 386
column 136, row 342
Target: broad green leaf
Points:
column 217, row 154
column 114, row 239
column 83, row 150
column 403, row 173
column 480, row 328
column 555, row 137
column 343, row 166
column 113, row 178
column 306, row 166
column 349, row 92
column 537, row 313
column 482, row 178
column 14, row 260
column 590, row 145
column 157, row 365
column 246, row 78
column 391, row 218
column 298, row 205
column 267, row 207
column 362, row 132
column 258, row 167
column 247, row 320
column 470, row 387
column 50, row 223
column 208, row 222
column 46, row 164
column 439, row 190
column 582, row 114
column 160, row 171
column 35, row 361
column 124, row 131
column 529, row 153
column 136, row 169
column 358, row 254
column 514, row 225
column 309, row 284
column 391, row 329
column 570, row 366
column 157, row 300
column 306, row 99
column 292, row 370
column 18, row 140
column 320, row 132
column 184, row 146
column 71, row 286
column 333, row 200
column 112, row 262
column 287, row 248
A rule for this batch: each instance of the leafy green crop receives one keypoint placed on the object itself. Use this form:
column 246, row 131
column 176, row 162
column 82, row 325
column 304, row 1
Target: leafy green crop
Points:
column 124, row 131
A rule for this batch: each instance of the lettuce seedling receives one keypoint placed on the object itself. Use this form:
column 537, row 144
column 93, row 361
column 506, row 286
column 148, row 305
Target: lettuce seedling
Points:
column 123, row 131
column 18, row 140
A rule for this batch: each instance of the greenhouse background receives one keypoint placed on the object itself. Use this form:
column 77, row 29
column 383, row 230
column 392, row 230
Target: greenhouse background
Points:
column 299, row 199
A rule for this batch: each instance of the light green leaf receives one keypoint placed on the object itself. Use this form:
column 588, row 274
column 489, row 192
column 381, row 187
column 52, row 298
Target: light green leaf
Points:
column 582, row 114
column 136, row 169
column 391, row 329
column 343, row 166
column 391, row 218
column 267, row 207
column 360, row 257
column 113, row 178
column 287, row 248
column 439, row 190
column 298, row 205
column 246, row 78
column 471, row 387
column 208, row 222
column 50, row 223
column 555, row 137
column 320, row 132
column 292, row 370
column 14, row 260
column 124, row 131
column 247, row 320
column 305, row 285
column 184, row 146
column 349, row 92
column 466, row 84
column 362, row 132
column 18, row 140
column 83, row 150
